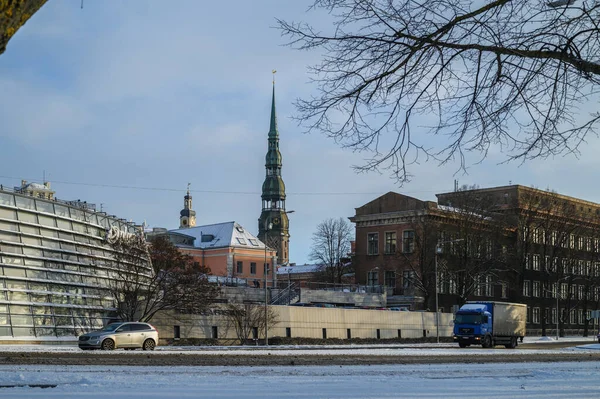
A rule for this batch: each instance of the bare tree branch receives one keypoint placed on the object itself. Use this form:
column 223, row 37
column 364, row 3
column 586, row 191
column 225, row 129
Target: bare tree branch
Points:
column 506, row 74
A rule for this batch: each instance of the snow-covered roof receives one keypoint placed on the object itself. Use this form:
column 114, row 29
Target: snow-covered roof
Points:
column 229, row 234
column 299, row 269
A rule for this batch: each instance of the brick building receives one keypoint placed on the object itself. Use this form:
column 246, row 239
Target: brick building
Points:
column 510, row 243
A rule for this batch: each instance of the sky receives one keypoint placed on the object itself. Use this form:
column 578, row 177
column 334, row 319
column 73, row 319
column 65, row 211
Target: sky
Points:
column 122, row 104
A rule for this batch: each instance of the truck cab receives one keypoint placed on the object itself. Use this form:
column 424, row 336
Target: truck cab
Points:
column 472, row 323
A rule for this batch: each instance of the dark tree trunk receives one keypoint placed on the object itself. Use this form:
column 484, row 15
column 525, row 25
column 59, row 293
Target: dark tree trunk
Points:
column 13, row 15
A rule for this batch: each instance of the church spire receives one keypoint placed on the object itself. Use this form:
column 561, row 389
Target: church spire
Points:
column 273, row 195
column 187, row 216
column 273, row 128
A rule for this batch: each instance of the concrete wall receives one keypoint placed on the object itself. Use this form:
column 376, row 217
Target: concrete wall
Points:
column 309, row 323
column 350, row 298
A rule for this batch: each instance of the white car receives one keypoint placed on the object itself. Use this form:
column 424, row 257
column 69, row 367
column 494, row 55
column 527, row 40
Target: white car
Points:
column 127, row 335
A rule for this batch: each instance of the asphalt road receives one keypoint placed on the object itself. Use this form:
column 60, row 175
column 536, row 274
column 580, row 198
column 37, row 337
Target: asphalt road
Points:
column 524, row 353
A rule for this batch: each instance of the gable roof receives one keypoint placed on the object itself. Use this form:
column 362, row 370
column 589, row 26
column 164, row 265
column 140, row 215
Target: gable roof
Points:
column 390, row 202
column 219, row 235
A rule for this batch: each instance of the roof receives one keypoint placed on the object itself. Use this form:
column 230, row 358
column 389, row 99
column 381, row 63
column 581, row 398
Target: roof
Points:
column 228, row 234
column 299, row 269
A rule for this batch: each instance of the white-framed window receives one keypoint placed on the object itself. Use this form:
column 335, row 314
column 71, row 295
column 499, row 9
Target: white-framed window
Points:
column 372, row 243
column 553, row 316
column 554, row 289
column 572, row 241
column 390, row 242
column 407, row 278
column 408, row 241
column 504, row 290
column 536, row 235
column 536, row 262
column 536, row 289
column 373, row 278
column 527, row 261
column 489, row 286
column 526, row 288
column 572, row 317
column 580, row 317
column 580, row 243
column 478, row 287
column 581, row 292
column 564, row 290
column 588, row 268
column 553, row 237
column 452, row 285
column 536, row 315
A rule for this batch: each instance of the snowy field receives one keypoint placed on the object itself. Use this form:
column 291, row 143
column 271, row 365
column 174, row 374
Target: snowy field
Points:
column 530, row 380
column 429, row 349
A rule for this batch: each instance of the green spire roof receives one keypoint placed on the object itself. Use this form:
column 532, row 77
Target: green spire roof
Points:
column 273, row 128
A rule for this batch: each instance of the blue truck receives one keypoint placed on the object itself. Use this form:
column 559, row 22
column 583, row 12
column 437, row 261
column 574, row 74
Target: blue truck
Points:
column 489, row 324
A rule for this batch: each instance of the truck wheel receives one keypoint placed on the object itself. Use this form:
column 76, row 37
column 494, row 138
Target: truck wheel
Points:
column 486, row 342
column 462, row 345
column 512, row 344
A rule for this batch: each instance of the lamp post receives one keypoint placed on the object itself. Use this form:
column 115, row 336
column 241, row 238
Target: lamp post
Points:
column 438, row 250
column 268, row 227
column 557, row 308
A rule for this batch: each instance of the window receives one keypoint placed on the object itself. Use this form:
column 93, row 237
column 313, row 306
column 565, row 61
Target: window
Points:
column 253, row 242
column 252, row 267
column 372, row 243
column 536, row 315
column 536, row 289
column 572, row 317
column 390, row 278
column 536, row 262
column 240, row 267
column 528, row 261
column 390, row 242
column 176, row 332
column 504, row 287
column 553, row 316
column 241, row 241
column 407, row 278
column 266, row 268
column 526, row 288
column 408, row 241
column 489, row 287
column 580, row 317
column 563, row 290
column 373, row 278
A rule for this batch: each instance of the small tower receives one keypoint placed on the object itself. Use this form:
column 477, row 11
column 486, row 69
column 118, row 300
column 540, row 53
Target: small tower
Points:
column 187, row 216
column 273, row 224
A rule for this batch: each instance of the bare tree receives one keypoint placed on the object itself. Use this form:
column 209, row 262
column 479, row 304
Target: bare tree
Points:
column 471, row 246
column 331, row 244
column 248, row 317
column 13, row 15
column 147, row 279
column 509, row 74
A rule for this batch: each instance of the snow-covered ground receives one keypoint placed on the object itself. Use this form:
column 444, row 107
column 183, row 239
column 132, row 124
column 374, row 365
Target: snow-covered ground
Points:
column 501, row 380
column 430, row 349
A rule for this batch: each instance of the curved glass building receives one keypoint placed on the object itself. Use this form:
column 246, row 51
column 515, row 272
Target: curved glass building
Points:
column 55, row 263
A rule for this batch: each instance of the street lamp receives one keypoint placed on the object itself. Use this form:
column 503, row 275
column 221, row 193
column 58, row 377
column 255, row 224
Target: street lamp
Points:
column 268, row 226
column 265, row 271
column 557, row 297
column 438, row 250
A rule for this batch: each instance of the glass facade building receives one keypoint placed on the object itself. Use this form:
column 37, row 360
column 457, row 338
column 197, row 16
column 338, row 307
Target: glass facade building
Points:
column 56, row 261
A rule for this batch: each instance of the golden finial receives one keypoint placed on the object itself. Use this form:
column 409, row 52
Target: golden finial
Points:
column 274, row 72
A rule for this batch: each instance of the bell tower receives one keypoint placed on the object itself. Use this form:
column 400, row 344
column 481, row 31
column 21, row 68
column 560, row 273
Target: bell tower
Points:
column 273, row 224
column 187, row 216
